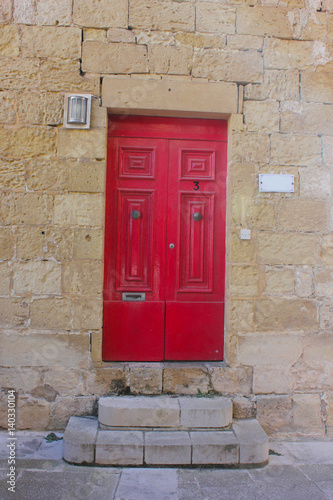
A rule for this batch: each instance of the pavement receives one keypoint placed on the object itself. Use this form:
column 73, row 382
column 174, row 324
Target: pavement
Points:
column 296, row 470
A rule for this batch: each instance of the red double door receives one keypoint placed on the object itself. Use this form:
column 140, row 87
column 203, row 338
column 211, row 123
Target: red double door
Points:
column 164, row 239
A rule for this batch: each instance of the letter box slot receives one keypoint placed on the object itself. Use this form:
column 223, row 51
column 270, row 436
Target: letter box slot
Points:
column 134, row 296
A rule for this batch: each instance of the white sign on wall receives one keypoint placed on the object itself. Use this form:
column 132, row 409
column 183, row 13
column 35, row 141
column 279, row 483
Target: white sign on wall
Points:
column 276, row 183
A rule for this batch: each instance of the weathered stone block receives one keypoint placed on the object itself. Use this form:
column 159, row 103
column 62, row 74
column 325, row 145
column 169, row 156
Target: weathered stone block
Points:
column 100, row 57
column 64, row 76
column 264, row 21
column 327, row 250
column 5, row 274
column 185, row 380
column 317, row 87
column 7, row 111
column 318, row 348
column 27, row 142
column 307, row 415
column 37, row 109
column 25, row 208
column 214, row 448
column 119, row 448
column 262, row 116
column 33, row 414
column 242, row 315
column 260, row 215
column 81, row 143
column 51, row 313
column 18, row 73
column 288, row 249
column 145, row 379
column 44, row 242
column 59, row 14
column 328, row 151
column 324, row 282
column 47, row 175
column 244, row 280
column 315, row 182
column 279, row 280
column 277, row 84
column 63, row 408
column 79, row 440
column 103, row 14
column 302, row 215
column 287, row 149
column 87, row 177
column 87, row 313
column 228, row 65
column 37, row 277
column 7, row 243
column 241, row 250
column 307, row 117
column 105, row 381
column 132, row 411
column 5, row 11
column 170, row 60
column 162, row 15
column 288, row 54
column 9, row 41
column 95, row 34
column 272, row 379
column 201, row 41
column 326, row 316
column 245, row 42
column 274, row 413
column 88, row 243
column 24, row 12
column 12, row 174
column 250, row 147
column 269, row 349
column 166, row 448
column 120, row 35
column 82, row 277
column 243, row 407
column 20, row 379
column 65, row 381
column 78, row 209
column 215, row 18
column 304, row 283
column 13, row 312
column 51, row 41
column 311, row 376
column 285, row 314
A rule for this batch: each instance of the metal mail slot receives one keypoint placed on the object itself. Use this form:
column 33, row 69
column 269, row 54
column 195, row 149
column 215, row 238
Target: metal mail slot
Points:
column 134, row 296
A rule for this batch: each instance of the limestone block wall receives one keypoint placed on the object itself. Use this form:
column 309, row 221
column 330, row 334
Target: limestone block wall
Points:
column 279, row 310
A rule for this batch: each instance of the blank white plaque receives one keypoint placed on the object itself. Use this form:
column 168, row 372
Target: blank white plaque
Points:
column 276, row 183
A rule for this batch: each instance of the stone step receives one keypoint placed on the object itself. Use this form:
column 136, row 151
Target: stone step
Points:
column 165, row 412
column 244, row 445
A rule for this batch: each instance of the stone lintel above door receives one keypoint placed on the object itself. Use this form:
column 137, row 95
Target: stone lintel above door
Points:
column 188, row 99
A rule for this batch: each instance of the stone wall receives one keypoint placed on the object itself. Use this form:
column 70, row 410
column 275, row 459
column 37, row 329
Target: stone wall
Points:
column 279, row 321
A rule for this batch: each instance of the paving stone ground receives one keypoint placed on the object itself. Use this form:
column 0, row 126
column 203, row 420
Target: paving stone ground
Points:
column 299, row 470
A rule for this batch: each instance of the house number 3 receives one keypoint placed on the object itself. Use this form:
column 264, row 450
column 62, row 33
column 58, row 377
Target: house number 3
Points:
column 196, row 185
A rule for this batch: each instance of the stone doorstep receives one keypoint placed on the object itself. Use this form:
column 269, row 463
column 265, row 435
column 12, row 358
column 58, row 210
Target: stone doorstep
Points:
column 245, row 445
column 165, row 412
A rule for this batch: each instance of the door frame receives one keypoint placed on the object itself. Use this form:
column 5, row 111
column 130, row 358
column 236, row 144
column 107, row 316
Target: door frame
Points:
column 200, row 129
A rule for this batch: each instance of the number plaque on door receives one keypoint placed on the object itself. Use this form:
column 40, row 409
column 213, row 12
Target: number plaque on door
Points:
column 164, row 239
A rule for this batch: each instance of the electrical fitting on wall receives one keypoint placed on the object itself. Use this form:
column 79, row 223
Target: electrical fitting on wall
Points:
column 77, row 110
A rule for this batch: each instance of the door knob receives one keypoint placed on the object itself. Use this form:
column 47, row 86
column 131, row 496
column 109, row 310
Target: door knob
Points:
column 135, row 214
column 172, row 245
column 197, row 216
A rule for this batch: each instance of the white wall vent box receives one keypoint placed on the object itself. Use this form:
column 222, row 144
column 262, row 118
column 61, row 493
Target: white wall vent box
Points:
column 276, row 183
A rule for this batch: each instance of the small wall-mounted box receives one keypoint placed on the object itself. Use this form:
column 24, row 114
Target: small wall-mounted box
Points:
column 276, row 183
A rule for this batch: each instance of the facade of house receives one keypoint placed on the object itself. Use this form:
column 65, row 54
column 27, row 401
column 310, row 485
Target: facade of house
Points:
column 262, row 67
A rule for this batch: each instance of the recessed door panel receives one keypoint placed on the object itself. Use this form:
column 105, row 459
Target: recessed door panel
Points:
column 164, row 240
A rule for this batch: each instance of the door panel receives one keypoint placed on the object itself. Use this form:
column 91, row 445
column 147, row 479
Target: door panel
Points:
column 164, row 240
column 135, row 241
column 194, row 331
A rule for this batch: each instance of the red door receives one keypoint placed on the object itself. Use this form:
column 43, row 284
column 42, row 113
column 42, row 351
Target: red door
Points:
column 164, row 240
